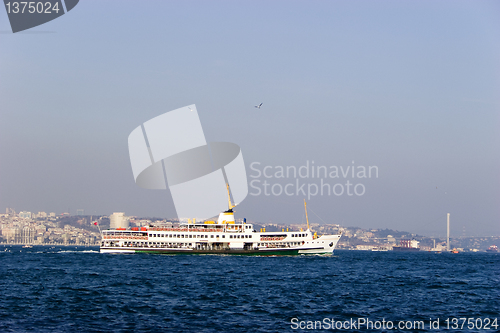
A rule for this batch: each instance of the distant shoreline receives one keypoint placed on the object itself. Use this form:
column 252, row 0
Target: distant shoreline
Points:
column 23, row 244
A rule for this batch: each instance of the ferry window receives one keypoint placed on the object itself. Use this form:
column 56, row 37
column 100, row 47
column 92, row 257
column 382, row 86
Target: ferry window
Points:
column 211, row 236
column 223, row 236
column 190, row 236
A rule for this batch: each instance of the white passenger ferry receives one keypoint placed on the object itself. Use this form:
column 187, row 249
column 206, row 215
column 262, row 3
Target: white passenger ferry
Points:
column 225, row 236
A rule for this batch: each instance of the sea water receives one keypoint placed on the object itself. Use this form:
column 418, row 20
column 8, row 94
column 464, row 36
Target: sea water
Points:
column 70, row 289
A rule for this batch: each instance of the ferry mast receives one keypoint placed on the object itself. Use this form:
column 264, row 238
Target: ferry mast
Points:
column 307, row 219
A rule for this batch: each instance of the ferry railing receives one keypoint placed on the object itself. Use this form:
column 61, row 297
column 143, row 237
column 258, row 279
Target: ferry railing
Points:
column 188, row 229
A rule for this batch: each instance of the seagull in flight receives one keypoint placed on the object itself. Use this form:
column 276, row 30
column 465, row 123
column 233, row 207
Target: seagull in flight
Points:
column 258, row 106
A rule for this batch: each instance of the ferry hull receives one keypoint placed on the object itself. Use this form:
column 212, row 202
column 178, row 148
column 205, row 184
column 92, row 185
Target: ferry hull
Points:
column 275, row 252
column 241, row 252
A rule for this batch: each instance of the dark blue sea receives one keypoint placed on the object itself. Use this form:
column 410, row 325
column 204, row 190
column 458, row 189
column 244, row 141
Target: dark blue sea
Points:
column 70, row 289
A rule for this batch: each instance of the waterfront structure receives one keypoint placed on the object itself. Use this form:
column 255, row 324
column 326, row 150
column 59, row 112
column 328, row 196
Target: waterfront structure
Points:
column 17, row 235
column 407, row 245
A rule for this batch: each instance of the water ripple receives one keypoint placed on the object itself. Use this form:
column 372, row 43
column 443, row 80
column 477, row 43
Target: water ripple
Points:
column 70, row 289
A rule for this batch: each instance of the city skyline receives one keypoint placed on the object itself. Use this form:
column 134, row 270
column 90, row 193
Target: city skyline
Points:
column 28, row 215
column 30, row 229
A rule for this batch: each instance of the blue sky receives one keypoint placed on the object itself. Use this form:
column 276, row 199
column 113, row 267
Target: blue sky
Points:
column 410, row 87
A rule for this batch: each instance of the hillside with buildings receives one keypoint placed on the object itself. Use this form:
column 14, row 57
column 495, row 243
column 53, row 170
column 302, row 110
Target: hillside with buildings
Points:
column 50, row 229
